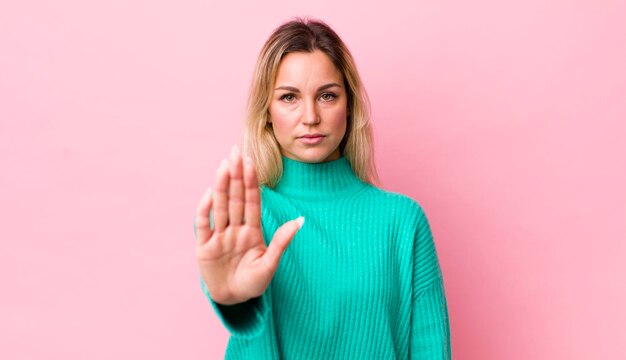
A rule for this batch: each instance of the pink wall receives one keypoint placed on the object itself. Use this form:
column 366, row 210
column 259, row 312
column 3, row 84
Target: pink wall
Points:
column 505, row 121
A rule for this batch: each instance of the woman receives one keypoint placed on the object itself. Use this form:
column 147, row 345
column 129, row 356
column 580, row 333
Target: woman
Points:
column 361, row 279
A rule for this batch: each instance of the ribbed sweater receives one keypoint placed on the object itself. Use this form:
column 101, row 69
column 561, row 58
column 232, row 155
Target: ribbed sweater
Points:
column 360, row 280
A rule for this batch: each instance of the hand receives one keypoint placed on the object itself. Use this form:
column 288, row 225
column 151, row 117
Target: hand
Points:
column 234, row 261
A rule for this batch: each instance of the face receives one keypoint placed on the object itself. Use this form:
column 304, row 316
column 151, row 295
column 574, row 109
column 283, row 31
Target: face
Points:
column 309, row 99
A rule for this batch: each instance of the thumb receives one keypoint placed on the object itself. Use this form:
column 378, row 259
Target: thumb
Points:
column 282, row 238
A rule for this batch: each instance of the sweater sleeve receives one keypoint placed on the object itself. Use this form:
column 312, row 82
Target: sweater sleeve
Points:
column 430, row 325
column 245, row 320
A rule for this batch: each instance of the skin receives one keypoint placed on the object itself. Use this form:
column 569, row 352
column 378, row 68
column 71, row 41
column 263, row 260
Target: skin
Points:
column 309, row 97
column 233, row 259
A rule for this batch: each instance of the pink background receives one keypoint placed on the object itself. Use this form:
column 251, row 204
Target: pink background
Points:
column 505, row 121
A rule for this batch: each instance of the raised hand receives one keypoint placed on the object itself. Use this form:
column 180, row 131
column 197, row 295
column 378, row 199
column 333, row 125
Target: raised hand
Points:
column 234, row 261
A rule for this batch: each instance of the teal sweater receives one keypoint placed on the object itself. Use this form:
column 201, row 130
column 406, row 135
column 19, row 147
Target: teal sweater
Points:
column 360, row 279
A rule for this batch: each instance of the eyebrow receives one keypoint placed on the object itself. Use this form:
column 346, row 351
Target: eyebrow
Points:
column 323, row 87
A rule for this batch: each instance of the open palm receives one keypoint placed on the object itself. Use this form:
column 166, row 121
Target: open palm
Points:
column 234, row 261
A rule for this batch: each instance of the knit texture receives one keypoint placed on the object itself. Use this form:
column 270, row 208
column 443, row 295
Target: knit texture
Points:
column 360, row 280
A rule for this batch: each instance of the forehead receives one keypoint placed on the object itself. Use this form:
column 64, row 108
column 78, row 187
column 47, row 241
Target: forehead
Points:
column 307, row 68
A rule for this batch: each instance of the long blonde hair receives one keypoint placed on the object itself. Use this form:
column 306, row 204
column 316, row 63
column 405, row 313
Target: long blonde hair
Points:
column 259, row 142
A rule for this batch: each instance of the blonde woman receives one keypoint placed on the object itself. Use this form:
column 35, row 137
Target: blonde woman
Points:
column 301, row 254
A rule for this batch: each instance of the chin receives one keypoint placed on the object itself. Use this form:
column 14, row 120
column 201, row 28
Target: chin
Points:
column 311, row 156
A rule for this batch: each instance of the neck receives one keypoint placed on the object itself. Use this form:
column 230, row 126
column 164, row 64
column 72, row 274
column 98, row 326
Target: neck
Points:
column 317, row 180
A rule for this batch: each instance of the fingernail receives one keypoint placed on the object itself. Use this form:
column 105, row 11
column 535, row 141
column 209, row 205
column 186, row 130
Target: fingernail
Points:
column 224, row 162
column 300, row 221
column 234, row 150
column 248, row 159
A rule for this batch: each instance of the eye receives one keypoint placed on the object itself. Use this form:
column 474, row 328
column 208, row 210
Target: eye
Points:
column 328, row 96
column 288, row 98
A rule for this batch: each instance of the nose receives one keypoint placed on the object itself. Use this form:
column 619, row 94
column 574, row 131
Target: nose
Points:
column 310, row 115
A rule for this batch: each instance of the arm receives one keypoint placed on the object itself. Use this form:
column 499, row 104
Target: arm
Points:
column 245, row 320
column 430, row 325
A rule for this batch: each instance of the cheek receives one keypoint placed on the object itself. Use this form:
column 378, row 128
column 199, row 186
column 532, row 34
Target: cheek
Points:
column 283, row 121
column 337, row 118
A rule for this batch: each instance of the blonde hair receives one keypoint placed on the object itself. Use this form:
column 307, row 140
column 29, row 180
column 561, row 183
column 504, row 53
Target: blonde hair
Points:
column 259, row 142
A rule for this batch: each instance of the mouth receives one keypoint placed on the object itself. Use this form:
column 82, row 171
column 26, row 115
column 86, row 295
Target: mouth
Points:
column 311, row 139
column 311, row 136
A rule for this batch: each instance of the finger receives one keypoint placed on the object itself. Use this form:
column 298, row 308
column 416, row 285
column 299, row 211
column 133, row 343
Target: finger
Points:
column 220, row 197
column 253, row 196
column 235, row 196
column 203, row 221
column 282, row 238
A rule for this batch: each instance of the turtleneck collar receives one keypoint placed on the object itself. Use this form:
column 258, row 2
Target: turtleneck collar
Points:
column 315, row 180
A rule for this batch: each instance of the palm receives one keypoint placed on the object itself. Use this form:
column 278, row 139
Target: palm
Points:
column 235, row 257
column 234, row 261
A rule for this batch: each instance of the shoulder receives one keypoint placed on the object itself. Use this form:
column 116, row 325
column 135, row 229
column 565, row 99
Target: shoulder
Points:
column 398, row 199
column 407, row 209
column 267, row 192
